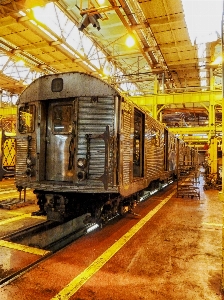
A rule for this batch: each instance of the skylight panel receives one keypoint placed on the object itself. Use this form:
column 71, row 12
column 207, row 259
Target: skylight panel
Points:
column 203, row 19
column 54, row 19
column 17, row 70
column 50, row 16
column 3, row 60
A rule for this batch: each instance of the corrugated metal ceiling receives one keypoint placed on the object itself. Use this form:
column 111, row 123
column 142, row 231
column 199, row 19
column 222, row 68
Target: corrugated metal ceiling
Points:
column 162, row 52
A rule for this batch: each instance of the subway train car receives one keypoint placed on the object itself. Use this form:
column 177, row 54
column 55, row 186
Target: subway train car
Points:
column 82, row 147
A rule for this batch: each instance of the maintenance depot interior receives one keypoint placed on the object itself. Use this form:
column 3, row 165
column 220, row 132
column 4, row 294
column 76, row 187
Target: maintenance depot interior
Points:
column 179, row 83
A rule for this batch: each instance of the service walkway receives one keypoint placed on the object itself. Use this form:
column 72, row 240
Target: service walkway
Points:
column 171, row 251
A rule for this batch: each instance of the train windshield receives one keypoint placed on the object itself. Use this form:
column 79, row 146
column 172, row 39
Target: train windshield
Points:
column 60, row 143
column 26, row 118
column 61, row 119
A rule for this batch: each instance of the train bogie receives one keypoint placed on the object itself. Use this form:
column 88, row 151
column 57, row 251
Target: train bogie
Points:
column 82, row 147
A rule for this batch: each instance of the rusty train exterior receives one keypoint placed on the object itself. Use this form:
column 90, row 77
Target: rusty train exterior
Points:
column 82, row 147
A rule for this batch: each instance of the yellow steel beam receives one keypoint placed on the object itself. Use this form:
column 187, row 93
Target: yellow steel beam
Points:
column 194, row 139
column 192, row 130
column 210, row 97
column 7, row 111
column 208, row 100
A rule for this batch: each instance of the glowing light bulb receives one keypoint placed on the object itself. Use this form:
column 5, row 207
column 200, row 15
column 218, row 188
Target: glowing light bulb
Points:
column 40, row 14
column 217, row 61
column 20, row 63
column 130, row 41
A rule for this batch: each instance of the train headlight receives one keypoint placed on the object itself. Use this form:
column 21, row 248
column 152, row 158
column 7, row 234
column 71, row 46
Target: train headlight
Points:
column 81, row 175
column 81, row 163
column 29, row 172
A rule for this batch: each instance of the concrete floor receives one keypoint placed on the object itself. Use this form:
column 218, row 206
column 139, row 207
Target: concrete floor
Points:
column 176, row 253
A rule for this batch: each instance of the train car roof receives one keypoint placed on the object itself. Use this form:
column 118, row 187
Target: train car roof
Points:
column 66, row 85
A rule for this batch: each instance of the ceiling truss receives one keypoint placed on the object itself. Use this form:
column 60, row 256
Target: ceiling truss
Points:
column 163, row 60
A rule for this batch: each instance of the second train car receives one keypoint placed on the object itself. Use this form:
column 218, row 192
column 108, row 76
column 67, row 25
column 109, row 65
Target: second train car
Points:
column 82, row 147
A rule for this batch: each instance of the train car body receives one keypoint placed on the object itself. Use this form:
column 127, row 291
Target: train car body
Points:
column 82, row 146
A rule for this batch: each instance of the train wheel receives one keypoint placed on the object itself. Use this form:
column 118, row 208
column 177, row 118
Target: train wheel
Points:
column 123, row 209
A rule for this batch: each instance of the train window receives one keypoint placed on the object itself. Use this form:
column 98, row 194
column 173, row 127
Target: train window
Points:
column 62, row 119
column 167, row 150
column 26, row 118
column 155, row 136
column 57, row 85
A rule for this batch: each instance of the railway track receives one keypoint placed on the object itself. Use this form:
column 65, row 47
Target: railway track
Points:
column 11, row 198
column 44, row 239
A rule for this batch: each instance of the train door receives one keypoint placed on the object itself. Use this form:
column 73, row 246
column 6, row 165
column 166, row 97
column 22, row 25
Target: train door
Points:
column 166, row 152
column 60, row 141
column 138, row 144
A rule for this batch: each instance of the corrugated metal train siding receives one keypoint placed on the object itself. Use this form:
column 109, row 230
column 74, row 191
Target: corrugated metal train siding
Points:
column 181, row 154
column 126, row 148
column 154, row 149
column 93, row 117
column 22, row 149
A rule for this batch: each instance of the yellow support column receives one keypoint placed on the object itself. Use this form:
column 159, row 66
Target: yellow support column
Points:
column 213, row 155
column 212, row 80
column 156, row 85
column 211, row 116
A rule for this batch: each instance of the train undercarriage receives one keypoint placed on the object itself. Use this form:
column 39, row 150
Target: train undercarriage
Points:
column 61, row 207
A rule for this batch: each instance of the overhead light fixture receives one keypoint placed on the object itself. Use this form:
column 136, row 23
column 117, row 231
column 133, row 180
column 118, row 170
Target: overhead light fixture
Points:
column 107, row 69
column 130, row 41
column 20, row 63
column 89, row 19
column 217, row 61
